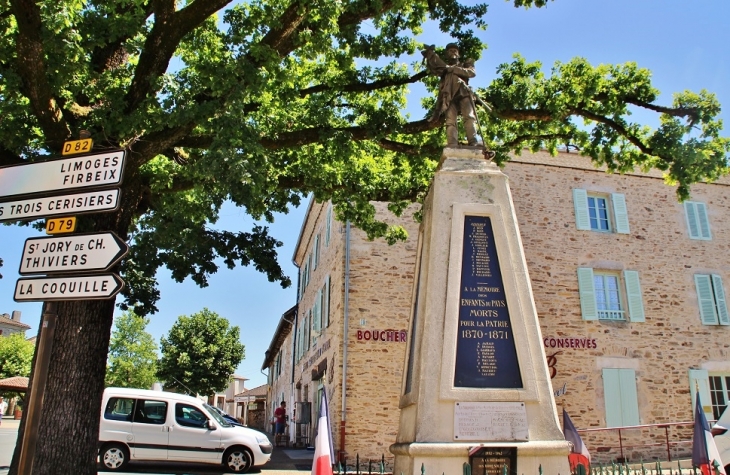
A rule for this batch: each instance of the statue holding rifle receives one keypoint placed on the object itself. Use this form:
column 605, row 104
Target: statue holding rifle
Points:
column 455, row 97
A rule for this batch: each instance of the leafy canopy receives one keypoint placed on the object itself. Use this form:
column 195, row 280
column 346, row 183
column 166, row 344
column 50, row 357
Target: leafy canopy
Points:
column 16, row 356
column 200, row 354
column 264, row 102
column 132, row 361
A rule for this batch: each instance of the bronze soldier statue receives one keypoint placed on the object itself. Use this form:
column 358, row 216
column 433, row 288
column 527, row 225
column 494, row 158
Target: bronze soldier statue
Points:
column 455, row 96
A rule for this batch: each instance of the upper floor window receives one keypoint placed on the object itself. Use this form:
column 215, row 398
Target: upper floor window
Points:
column 600, row 212
column 697, row 222
column 315, row 252
column 328, row 226
column 711, row 297
column 603, row 295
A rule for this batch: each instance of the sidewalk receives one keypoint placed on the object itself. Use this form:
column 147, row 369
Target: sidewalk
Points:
column 284, row 461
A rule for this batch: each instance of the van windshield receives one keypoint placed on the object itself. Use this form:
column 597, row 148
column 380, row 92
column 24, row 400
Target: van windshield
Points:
column 216, row 416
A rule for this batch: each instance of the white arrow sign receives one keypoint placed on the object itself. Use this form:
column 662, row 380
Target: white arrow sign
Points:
column 89, row 202
column 82, row 171
column 90, row 287
column 71, row 253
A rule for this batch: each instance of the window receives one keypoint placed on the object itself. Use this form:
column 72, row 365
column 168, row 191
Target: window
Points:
column 697, row 222
column 711, row 297
column 604, row 297
column 600, row 212
column 190, row 416
column 326, row 303
column 619, row 391
column 328, row 226
column 317, row 318
column 150, row 412
column 713, row 389
column 119, row 409
column 315, row 257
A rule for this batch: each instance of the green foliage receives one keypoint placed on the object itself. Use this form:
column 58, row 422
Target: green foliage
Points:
column 200, row 354
column 132, row 360
column 16, row 357
column 263, row 103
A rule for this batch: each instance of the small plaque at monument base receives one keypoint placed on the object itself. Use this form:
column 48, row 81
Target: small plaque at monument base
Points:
column 490, row 421
column 493, row 460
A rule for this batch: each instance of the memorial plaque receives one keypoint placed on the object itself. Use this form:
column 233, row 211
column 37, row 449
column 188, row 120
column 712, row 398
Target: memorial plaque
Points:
column 493, row 460
column 485, row 348
column 490, row 421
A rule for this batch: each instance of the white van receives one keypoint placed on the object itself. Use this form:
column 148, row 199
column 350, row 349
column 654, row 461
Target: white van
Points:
column 137, row 424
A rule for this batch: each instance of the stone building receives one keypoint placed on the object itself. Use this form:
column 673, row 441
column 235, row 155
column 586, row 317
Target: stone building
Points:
column 628, row 284
column 10, row 324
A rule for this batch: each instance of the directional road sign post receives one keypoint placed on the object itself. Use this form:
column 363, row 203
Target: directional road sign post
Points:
column 79, row 203
column 83, row 171
column 89, row 287
column 72, row 253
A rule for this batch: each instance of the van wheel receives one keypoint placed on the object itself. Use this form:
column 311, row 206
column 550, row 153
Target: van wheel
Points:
column 238, row 460
column 114, row 456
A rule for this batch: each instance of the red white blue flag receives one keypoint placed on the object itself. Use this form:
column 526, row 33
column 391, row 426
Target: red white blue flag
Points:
column 705, row 455
column 579, row 454
column 323, row 450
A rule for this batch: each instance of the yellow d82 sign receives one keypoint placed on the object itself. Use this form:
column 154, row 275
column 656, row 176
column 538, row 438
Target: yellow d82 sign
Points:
column 77, row 146
column 60, row 225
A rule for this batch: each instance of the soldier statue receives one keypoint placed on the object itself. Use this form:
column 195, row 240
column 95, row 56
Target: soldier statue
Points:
column 455, row 96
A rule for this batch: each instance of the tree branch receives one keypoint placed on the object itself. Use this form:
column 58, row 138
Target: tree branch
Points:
column 114, row 54
column 31, row 67
column 364, row 86
column 636, row 141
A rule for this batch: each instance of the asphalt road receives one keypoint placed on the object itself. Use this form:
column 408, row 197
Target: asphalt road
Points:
column 283, row 462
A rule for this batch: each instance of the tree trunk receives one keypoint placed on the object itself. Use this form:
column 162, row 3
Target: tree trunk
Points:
column 68, row 433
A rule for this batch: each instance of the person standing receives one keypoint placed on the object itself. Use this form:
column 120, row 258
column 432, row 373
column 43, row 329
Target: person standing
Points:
column 280, row 416
column 3, row 408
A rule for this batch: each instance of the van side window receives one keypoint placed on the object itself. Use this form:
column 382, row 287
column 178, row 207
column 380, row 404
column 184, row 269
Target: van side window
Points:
column 119, row 409
column 150, row 412
column 190, row 416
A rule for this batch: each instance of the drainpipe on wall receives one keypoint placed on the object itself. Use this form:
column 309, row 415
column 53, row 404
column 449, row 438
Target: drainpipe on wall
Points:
column 343, row 412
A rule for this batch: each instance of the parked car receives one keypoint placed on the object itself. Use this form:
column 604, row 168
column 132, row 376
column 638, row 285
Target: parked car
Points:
column 231, row 420
column 138, row 424
column 721, row 431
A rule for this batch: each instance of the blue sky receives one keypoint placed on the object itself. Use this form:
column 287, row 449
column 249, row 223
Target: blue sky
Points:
column 685, row 43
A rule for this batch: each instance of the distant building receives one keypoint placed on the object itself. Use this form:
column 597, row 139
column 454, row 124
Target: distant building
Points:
column 225, row 400
column 252, row 404
column 10, row 324
column 629, row 286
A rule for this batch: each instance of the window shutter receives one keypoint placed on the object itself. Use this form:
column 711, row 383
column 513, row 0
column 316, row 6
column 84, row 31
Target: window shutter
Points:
column 587, row 293
column 326, row 303
column 708, row 312
column 720, row 303
column 629, row 399
column 620, row 213
column 315, row 258
column 328, row 226
column 703, row 221
column 580, row 203
column 633, row 296
column 699, row 379
column 317, row 320
column 612, row 397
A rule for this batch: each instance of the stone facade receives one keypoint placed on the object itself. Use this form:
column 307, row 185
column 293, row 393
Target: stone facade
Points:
column 669, row 355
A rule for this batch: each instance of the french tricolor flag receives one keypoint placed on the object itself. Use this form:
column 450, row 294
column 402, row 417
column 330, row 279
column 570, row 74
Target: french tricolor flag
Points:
column 704, row 451
column 579, row 454
column 323, row 450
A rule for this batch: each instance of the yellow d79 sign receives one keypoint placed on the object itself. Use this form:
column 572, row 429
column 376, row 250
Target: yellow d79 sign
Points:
column 60, row 225
column 77, row 146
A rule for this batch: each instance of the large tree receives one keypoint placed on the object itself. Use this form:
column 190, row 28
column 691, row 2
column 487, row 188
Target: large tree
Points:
column 262, row 105
column 200, row 354
column 132, row 359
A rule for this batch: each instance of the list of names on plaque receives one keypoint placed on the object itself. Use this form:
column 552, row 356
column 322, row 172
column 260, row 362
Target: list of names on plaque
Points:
column 485, row 350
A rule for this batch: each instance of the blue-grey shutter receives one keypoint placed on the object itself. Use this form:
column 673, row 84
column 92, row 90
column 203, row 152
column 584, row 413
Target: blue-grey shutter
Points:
column 629, row 399
column 315, row 259
column 703, row 221
column 708, row 312
column 328, row 226
column 612, row 397
column 699, row 379
column 587, row 291
column 633, row 296
column 720, row 303
column 580, row 204
column 326, row 303
column 697, row 222
column 317, row 319
column 620, row 213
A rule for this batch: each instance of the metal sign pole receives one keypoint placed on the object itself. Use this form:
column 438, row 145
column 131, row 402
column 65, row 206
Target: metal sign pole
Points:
column 35, row 401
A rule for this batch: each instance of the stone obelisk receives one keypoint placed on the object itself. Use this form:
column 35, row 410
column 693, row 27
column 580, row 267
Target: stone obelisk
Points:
column 476, row 387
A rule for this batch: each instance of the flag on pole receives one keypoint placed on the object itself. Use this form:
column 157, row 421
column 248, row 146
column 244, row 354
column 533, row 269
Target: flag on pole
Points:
column 705, row 455
column 323, row 450
column 579, row 454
